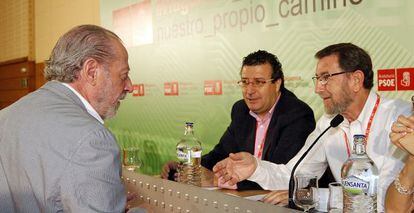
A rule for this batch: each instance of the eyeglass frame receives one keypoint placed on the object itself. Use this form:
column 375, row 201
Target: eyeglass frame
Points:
column 256, row 83
column 326, row 76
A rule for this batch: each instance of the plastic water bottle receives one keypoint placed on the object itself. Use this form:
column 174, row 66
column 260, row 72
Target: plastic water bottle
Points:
column 359, row 180
column 189, row 157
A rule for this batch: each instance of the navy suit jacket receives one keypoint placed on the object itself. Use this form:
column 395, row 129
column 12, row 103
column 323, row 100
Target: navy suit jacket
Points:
column 290, row 125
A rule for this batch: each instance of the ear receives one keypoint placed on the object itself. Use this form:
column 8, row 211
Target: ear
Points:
column 278, row 83
column 357, row 79
column 89, row 71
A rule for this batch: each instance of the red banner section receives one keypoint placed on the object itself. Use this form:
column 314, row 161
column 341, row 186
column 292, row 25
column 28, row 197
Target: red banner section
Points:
column 138, row 90
column 405, row 79
column 213, row 87
column 133, row 24
column 171, row 88
column 400, row 79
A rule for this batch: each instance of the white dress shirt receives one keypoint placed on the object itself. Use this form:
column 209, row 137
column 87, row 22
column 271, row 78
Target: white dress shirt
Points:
column 332, row 150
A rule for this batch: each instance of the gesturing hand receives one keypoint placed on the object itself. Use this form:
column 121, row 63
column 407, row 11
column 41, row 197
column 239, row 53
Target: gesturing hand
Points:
column 235, row 168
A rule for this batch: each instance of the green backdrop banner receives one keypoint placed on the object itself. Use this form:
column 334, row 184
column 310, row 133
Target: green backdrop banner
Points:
column 185, row 58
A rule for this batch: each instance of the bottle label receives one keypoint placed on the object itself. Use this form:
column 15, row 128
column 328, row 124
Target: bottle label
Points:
column 196, row 154
column 355, row 186
column 182, row 156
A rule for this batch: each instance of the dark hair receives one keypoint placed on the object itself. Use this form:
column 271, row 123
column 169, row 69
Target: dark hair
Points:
column 351, row 58
column 262, row 57
column 75, row 47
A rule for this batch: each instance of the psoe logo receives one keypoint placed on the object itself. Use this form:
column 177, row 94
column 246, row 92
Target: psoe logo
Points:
column 138, row 90
column 405, row 78
column 213, row 87
column 400, row 79
column 171, row 88
column 386, row 80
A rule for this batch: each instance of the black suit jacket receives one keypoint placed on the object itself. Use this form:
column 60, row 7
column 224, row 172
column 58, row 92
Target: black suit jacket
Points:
column 290, row 125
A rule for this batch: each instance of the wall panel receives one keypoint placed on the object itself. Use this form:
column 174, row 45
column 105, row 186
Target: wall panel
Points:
column 17, row 79
column 16, row 29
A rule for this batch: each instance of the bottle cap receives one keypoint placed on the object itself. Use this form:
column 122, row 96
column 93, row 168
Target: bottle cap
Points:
column 359, row 136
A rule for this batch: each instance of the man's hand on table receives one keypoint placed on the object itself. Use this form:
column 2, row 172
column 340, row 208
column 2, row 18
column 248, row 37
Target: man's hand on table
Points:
column 222, row 185
column 169, row 166
column 130, row 199
column 280, row 198
column 235, row 168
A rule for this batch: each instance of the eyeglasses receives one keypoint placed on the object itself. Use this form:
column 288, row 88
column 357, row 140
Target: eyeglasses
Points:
column 323, row 79
column 255, row 83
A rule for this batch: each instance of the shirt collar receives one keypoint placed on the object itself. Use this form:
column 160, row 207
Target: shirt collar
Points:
column 88, row 106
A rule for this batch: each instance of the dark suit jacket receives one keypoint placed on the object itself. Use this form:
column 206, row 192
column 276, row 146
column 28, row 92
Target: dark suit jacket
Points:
column 290, row 125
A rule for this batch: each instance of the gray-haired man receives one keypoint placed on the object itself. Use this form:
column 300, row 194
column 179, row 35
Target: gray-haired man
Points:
column 56, row 154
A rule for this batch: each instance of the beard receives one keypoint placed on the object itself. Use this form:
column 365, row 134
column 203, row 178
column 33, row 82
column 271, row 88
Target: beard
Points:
column 339, row 106
column 108, row 108
column 113, row 109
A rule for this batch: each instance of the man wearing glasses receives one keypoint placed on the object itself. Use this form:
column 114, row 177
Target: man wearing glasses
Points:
column 271, row 123
column 343, row 79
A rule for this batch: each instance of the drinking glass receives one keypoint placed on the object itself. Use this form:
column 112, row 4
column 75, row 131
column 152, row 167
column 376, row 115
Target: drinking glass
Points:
column 305, row 194
column 335, row 204
column 130, row 158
